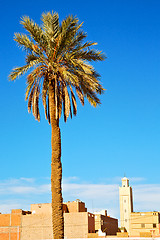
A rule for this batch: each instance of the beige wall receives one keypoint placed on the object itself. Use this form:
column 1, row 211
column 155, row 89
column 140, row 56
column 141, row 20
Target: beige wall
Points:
column 41, row 208
column 144, row 222
column 36, row 227
column 37, row 223
column 78, row 225
column 76, row 206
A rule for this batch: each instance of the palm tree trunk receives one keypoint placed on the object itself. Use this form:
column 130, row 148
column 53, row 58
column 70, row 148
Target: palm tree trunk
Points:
column 56, row 169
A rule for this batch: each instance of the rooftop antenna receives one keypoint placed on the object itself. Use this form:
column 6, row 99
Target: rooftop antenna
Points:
column 92, row 206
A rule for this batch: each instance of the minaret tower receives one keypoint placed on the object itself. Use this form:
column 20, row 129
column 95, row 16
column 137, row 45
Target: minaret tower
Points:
column 126, row 203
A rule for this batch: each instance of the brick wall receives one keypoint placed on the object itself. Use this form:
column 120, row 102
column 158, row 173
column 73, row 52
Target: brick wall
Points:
column 10, row 225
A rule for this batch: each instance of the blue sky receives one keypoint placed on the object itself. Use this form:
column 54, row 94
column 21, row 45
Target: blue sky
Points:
column 98, row 145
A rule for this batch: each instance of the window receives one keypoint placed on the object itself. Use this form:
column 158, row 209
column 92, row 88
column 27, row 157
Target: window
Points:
column 142, row 225
column 154, row 225
column 142, row 214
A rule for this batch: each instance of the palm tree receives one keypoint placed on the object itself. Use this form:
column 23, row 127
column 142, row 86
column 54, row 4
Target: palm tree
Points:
column 57, row 59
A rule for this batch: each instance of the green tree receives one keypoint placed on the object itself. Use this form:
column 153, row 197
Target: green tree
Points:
column 57, row 59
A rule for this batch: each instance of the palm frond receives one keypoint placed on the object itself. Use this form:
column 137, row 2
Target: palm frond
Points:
column 31, row 57
column 48, row 112
column 77, row 40
column 58, row 52
column 35, row 31
column 50, row 25
column 74, row 104
column 93, row 99
column 56, row 98
column 60, row 99
column 89, row 55
column 24, row 41
column 66, row 103
column 30, row 83
column 30, row 98
column 44, row 97
column 80, row 95
column 69, row 28
column 37, row 114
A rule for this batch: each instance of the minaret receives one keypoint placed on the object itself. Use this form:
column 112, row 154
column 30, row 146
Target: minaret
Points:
column 126, row 203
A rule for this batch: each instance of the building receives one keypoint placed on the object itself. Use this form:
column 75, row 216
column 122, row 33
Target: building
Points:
column 37, row 223
column 10, row 224
column 144, row 224
column 126, row 203
column 137, row 224
column 75, row 206
column 105, row 224
column 77, row 221
column 78, row 224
